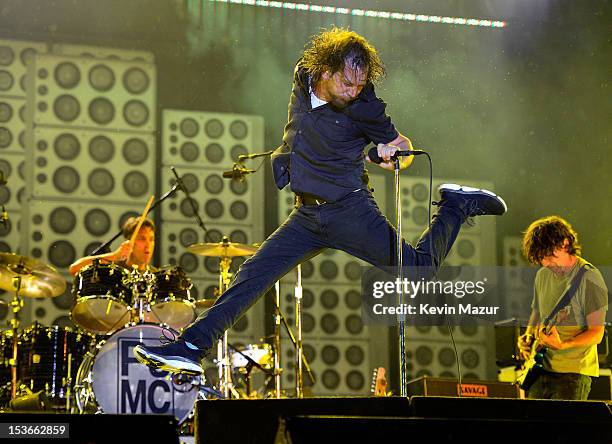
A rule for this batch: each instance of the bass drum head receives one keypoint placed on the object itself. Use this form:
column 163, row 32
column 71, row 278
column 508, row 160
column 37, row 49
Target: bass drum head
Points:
column 123, row 385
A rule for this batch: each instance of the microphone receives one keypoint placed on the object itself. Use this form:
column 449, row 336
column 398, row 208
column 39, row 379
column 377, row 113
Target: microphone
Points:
column 374, row 157
column 4, row 218
column 237, row 173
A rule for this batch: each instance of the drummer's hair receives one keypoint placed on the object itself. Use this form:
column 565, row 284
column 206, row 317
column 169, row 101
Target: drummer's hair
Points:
column 130, row 225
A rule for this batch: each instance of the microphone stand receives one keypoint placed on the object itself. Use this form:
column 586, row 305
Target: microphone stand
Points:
column 254, row 155
column 294, row 341
column 400, row 294
column 155, row 204
column 196, row 215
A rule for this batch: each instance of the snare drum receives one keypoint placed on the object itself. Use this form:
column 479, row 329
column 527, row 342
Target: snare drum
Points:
column 102, row 298
column 49, row 358
column 172, row 303
column 113, row 381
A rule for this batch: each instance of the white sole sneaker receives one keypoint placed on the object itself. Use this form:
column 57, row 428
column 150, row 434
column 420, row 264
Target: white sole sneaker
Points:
column 172, row 364
column 467, row 191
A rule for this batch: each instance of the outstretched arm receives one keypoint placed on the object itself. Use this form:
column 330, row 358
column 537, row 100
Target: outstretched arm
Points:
column 121, row 253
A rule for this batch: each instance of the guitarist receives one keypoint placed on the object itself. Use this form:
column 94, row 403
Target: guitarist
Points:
column 570, row 356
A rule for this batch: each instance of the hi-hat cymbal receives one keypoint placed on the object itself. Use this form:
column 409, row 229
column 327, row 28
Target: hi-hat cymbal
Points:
column 38, row 280
column 224, row 248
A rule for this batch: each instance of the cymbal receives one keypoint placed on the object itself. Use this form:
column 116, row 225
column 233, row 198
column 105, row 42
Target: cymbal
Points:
column 224, row 248
column 38, row 280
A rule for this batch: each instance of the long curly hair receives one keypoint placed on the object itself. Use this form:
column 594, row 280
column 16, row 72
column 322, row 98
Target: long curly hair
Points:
column 545, row 235
column 331, row 50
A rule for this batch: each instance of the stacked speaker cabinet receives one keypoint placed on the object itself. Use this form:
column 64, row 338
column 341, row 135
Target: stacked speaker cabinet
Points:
column 201, row 145
column 99, row 52
column 91, row 117
column 341, row 350
column 429, row 348
column 518, row 279
column 14, row 59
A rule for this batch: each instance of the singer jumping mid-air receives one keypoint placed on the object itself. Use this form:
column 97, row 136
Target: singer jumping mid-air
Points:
column 334, row 114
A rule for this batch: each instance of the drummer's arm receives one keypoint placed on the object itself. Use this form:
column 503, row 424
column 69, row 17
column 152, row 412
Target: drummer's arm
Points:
column 121, row 253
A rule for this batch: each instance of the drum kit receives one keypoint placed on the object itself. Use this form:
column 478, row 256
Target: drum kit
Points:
column 91, row 368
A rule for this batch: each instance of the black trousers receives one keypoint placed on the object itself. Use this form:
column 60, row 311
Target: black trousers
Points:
column 354, row 225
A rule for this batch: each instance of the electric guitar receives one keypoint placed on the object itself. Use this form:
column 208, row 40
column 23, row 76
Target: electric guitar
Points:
column 379, row 382
column 533, row 366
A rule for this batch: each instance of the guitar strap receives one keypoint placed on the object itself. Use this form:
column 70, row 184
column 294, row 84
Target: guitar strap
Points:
column 569, row 293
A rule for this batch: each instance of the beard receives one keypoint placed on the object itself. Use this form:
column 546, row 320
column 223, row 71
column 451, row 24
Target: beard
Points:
column 339, row 102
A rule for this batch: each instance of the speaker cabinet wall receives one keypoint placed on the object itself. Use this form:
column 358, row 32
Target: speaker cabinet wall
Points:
column 249, row 327
column 178, row 236
column 210, row 140
column 14, row 58
column 215, row 198
column 476, row 245
column 10, row 236
column 201, row 145
column 100, row 52
column 438, row 359
column 87, row 92
column 519, row 278
column 13, row 194
column 12, row 125
column 340, row 366
column 85, row 164
column 60, row 232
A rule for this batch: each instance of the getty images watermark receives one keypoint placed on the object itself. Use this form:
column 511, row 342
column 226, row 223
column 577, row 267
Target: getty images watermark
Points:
column 452, row 295
column 411, row 289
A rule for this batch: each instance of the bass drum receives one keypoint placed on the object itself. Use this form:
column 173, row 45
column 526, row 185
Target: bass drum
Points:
column 111, row 380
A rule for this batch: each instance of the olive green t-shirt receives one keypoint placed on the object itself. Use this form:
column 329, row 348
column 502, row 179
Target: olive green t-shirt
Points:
column 591, row 295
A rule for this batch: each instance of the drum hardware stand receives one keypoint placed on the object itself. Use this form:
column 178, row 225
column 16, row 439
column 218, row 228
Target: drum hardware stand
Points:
column 68, row 382
column 249, row 367
column 17, row 305
column 141, row 300
column 277, row 342
column 225, row 375
column 301, row 361
column 299, row 345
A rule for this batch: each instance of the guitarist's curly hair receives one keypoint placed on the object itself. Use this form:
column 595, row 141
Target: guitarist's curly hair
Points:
column 545, row 235
column 332, row 50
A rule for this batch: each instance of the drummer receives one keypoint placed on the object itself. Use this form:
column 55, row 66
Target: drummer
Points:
column 140, row 254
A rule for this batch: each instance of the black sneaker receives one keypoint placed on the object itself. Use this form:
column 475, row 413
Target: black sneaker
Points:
column 174, row 357
column 472, row 201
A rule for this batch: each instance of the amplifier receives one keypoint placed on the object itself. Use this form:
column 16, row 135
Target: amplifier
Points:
column 429, row 386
